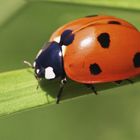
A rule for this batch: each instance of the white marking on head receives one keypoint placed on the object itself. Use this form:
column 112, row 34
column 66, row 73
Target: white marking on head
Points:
column 37, row 71
column 34, row 64
column 63, row 49
column 57, row 39
column 49, row 73
column 60, row 53
column 39, row 53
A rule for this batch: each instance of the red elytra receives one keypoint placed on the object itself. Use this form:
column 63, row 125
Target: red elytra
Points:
column 105, row 49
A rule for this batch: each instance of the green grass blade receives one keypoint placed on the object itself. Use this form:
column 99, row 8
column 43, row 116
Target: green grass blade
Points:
column 129, row 4
column 18, row 90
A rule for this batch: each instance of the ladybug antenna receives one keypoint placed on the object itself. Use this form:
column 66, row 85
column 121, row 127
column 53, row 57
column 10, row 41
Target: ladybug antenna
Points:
column 28, row 63
column 31, row 66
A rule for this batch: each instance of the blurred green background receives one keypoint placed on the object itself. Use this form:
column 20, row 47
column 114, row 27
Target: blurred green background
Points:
column 24, row 27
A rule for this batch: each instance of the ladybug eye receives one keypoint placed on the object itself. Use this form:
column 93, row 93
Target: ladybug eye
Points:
column 40, row 72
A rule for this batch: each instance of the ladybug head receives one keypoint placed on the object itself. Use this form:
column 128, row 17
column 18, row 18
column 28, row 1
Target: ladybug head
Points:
column 49, row 62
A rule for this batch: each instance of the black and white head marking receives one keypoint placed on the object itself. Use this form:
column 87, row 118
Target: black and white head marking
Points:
column 49, row 61
column 63, row 47
column 49, row 73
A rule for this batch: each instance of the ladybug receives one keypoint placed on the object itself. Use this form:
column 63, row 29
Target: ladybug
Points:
column 89, row 50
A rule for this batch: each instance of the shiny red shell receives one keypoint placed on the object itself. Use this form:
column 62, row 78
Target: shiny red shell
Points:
column 104, row 49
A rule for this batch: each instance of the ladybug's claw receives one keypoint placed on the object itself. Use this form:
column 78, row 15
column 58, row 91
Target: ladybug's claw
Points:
column 92, row 88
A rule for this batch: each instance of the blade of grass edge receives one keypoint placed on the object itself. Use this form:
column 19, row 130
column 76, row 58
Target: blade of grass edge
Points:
column 109, row 3
column 18, row 91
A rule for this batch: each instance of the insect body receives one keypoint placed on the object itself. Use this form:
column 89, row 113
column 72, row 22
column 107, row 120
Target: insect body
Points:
column 90, row 50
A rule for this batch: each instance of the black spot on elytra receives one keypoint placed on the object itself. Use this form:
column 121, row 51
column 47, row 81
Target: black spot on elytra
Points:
column 67, row 37
column 136, row 60
column 95, row 69
column 104, row 40
column 91, row 16
column 114, row 22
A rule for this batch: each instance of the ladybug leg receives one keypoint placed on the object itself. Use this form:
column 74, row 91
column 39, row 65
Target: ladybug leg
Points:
column 92, row 88
column 59, row 94
column 118, row 82
column 37, row 87
column 31, row 66
column 130, row 81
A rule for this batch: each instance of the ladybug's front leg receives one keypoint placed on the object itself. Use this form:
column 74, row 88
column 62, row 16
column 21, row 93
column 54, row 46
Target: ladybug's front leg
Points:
column 59, row 94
